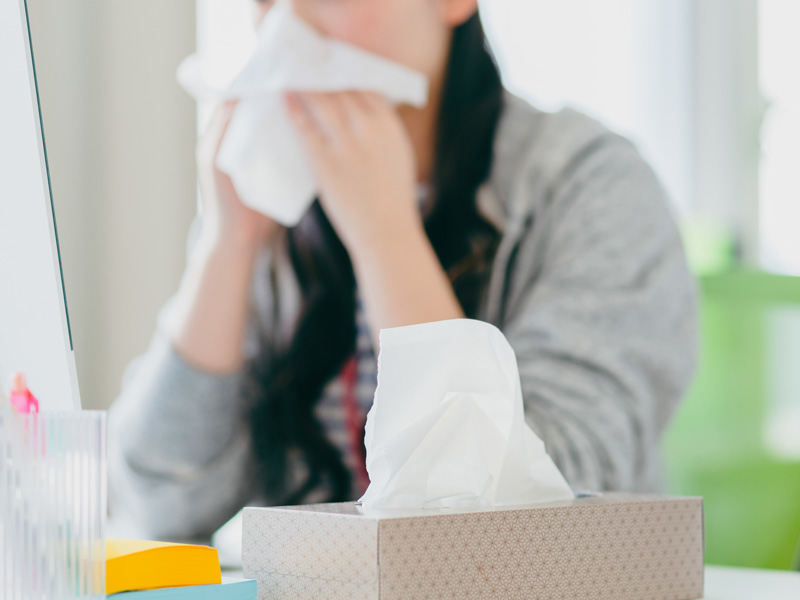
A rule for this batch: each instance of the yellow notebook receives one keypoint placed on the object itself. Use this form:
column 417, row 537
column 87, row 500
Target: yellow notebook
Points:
column 140, row 565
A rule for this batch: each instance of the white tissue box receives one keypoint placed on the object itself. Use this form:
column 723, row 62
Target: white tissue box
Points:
column 609, row 546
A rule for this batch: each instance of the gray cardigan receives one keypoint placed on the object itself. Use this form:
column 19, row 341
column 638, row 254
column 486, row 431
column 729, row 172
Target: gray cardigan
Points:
column 590, row 285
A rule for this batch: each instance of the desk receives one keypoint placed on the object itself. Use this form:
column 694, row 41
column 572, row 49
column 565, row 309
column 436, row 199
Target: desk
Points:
column 727, row 583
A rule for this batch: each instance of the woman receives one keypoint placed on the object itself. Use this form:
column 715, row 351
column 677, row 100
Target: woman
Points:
column 262, row 368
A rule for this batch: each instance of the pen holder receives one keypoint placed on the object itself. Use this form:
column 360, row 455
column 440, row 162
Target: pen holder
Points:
column 52, row 505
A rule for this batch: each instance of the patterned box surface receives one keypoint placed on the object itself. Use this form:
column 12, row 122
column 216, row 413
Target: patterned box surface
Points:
column 611, row 546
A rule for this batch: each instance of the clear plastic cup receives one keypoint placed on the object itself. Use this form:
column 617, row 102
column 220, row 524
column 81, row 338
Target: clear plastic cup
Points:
column 52, row 505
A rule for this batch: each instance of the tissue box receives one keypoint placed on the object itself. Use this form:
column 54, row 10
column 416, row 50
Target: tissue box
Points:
column 609, row 546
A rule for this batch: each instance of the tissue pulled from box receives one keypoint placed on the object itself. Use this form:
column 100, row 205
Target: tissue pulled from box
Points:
column 261, row 151
column 447, row 425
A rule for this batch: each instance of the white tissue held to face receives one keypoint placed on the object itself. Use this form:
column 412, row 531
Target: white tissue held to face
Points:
column 261, row 151
column 447, row 425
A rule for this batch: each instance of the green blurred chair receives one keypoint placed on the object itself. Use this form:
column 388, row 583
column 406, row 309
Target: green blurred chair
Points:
column 797, row 558
column 736, row 440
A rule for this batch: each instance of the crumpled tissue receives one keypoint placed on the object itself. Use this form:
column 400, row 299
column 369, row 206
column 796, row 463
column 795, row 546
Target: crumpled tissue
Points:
column 261, row 151
column 447, row 427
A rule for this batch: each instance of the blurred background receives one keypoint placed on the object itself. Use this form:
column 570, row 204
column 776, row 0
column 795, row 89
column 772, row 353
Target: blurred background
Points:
column 708, row 89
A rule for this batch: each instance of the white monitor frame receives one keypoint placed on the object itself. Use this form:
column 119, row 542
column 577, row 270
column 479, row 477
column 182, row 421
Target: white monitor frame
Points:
column 35, row 334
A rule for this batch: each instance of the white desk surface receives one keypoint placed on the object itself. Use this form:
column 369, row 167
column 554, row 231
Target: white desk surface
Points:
column 728, row 583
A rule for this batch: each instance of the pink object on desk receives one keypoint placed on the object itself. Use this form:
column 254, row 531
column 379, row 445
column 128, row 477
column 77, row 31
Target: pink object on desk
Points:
column 21, row 397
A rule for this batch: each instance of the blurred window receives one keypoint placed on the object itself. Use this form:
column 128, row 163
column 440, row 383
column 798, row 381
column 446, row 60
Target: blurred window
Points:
column 625, row 62
column 779, row 76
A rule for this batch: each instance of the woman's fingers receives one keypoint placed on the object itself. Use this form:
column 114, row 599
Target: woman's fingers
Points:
column 359, row 98
column 374, row 101
column 334, row 124
column 358, row 111
column 306, row 125
column 226, row 113
column 328, row 113
column 338, row 114
column 209, row 144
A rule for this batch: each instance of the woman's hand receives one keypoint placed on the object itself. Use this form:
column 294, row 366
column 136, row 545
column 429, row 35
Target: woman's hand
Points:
column 225, row 219
column 365, row 166
column 364, row 163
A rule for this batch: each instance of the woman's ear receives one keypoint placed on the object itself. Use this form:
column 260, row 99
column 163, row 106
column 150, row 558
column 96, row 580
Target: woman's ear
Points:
column 455, row 12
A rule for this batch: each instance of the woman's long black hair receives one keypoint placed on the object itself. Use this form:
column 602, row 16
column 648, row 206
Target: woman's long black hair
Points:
column 285, row 383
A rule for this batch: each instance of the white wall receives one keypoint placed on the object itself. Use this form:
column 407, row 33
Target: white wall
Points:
column 779, row 213
column 120, row 136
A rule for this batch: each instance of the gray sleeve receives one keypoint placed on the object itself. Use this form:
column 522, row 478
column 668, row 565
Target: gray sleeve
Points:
column 604, row 324
column 178, row 445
